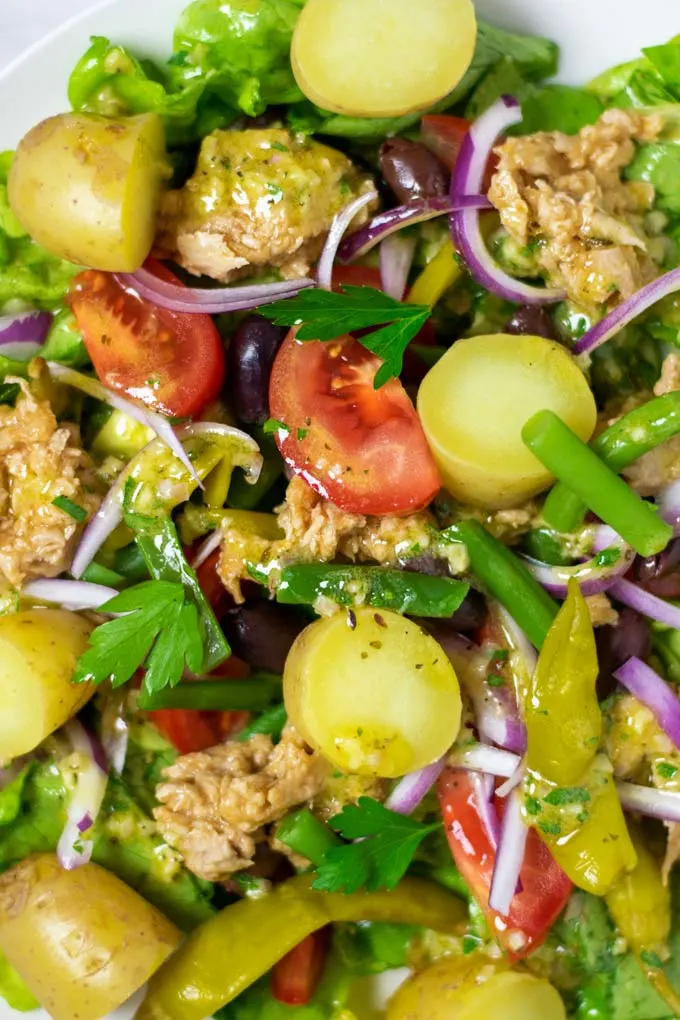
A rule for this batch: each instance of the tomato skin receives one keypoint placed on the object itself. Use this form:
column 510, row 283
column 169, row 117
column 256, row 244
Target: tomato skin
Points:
column 356, row 276
column 363, row 449
column 444, row 135
column 171, row 361
column 545, row 887
column 189, row 729
column 296, row 975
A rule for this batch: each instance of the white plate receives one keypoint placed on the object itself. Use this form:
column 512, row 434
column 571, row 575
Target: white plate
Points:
column 593, row 35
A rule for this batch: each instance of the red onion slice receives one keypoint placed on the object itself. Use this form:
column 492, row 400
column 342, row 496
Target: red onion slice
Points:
column 653, row 691
column 412, row 789
column 484, row 758
column 86, row 800
column 339, row 226
column 115, row 732
column 510, row 856
column 467, row 180
column 207, row 548
column 628, row 310
column 645, row 800
column 419, row 211
column 26, row 327
column 483, row 787
column 646, row 604
column 668, row 502
column 74, row 595
column 396, row 259
column 208, row 301
column 591, row 576
column 512, row 782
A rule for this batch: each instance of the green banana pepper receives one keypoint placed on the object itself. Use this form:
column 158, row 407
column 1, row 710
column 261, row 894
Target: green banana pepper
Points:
column 401, row 590
column 232, row 950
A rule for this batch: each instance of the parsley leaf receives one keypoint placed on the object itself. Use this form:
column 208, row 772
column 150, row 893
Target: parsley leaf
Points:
column 159, row 631
column 387, row 844
column 74, row 510
column 567, row 795
column 326, row 315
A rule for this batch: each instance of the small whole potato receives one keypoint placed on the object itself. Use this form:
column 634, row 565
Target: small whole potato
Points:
column 88, row 188
column 82, row 940
column 39, row 649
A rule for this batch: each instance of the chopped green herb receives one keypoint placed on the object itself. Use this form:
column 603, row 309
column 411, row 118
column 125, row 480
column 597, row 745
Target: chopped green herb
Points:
column 607, row 557
column 582, row 817
column 533, row 806
column 567, row 795
column 326, row 315
column 651, row 959
column 302, row 434
column 500, row 655
column 273, row 425
column 494, row 680
column 666, row 770
column 550, row 828
column 275, row 191
column 280, row 147
column 74, row 510
column 9, row 393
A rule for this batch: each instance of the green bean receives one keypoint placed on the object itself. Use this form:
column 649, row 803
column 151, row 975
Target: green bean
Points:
column 401, row 590
column 95, row 573
column 251, row 695
column 271, row 723
column 307, row 835
column 636, row 433
column 129, row 562
column 507, row 579
column 579, row 467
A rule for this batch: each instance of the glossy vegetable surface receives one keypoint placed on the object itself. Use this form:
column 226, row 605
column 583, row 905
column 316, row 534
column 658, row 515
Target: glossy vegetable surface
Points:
column 173, row 362
column 82, row 940
column 475, row 988
column 373, row 692
column 474, row 402
column 219, row 960
column 39, row 649
column 88, row 188
column 338, row 65
column 362, row 448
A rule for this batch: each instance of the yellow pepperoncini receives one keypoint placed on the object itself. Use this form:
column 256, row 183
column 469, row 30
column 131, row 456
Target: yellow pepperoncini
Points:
column 640, row 905
column 436, row 278
column 563, row 718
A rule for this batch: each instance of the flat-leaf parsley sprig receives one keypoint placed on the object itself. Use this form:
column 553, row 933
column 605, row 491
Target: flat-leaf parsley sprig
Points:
column 386, row 845
column 158, row 631
column 326, row 315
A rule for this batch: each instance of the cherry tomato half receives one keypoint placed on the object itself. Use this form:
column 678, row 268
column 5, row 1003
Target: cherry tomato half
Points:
column 363, row 449
column 172, row 361
column 295, row 977
column 444, row 135
column 545, row 887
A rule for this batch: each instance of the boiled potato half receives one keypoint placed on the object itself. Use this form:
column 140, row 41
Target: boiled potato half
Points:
column 382, row 58
column 475, row 988
column 82, row 940
column 373, row 692
column 88, row 188
column 474, row 402
column 39, row 649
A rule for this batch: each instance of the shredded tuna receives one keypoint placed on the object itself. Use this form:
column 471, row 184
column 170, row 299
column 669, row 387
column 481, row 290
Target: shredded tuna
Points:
column 601, row 611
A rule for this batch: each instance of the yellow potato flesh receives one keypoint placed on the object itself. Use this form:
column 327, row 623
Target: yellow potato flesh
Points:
column 38, row 653
column 88, row 188
column 380, row 698
column 453, row 989
column 382, row 58
column 474, row 402
column 82, row 940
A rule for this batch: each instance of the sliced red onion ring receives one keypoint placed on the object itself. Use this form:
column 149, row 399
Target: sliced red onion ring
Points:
column 396, row 259
column 73, row 595
column 94, row 388
column 115, row 733
column 646, row 604
column 209, row 301
column 645, row 800
column 86, row 800
column 628, row 310
column 389, row 222
column 207, row 548
column 484, row 758
column 250, row 460
column 512, row 782
column 483, row 786
column 653, row 691
column 467, row 179
column 26, row 327
column 339, row 226
column 510, row 856
column 412, row 789
column 668, row 502
column 591, row 576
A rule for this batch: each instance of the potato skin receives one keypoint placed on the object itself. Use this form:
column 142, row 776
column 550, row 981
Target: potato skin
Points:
column 38, row 653
column 82, row 940
column 88, row 188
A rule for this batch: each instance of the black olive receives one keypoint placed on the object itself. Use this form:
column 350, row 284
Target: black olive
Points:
column 531, row 321
column 251, row 354
column 412, row 171
column 654, row 567
column 262, row 633
column 616, row 644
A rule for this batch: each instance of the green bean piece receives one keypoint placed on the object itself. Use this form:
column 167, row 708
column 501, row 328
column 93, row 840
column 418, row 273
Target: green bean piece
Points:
column 307, row 835
column 95, row 573
column 250, row 695
column 507, row 579
column 636, row 433
column 580, row 468
column 271, row 723
column 129, row 562
column 403, row 591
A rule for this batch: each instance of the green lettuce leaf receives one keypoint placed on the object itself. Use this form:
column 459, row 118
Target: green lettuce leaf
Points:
column 559, row 108
column 658, row 163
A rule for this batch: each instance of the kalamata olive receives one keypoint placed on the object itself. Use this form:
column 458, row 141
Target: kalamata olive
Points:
column 412, row 171
column 531, row 321
column 654, row 567
column 250, row 358
column 262, row 633
column 616, row 644
column 471, row 613
column 426, row 563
